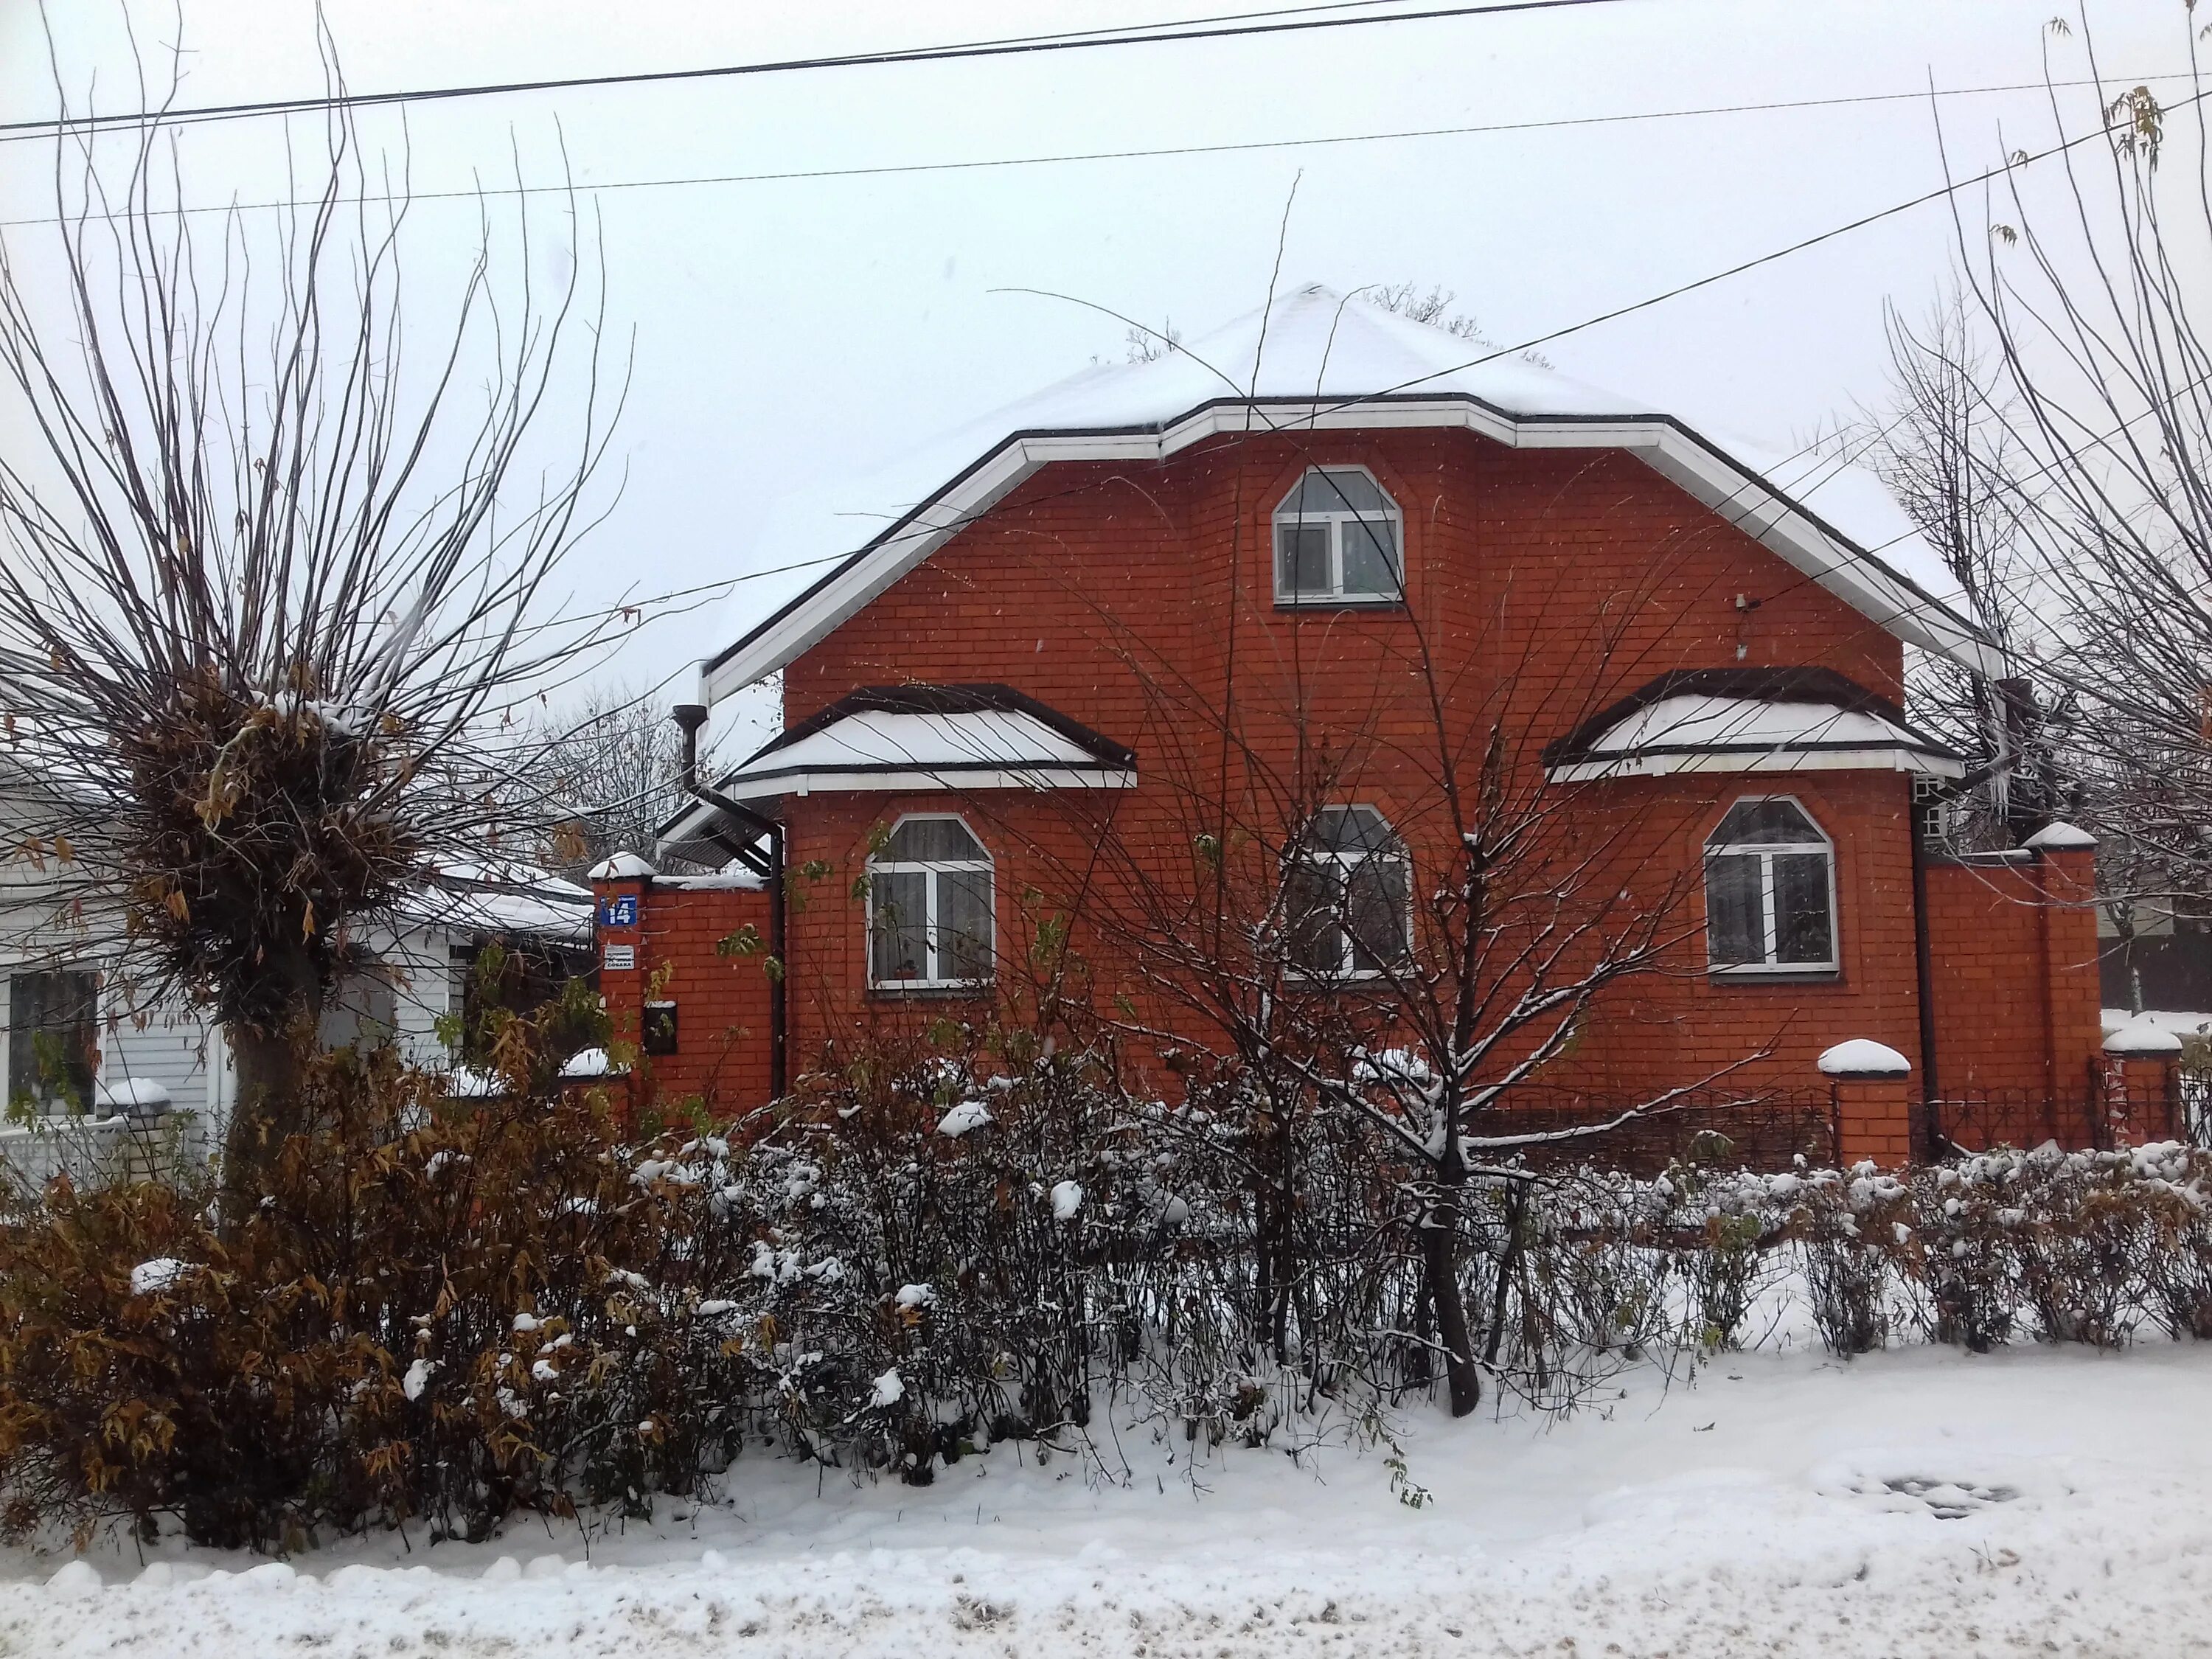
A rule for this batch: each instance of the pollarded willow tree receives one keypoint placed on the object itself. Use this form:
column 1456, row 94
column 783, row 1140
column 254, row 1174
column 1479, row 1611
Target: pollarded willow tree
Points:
column 276, row 551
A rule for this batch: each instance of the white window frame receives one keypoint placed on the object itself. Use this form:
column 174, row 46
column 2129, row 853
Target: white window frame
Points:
column 932, row 906
column 1767, row 851
column 1335, row 519
column 1346, row 863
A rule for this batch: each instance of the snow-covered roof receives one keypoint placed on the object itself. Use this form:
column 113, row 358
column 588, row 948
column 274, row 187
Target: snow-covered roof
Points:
column 588, row 1063
column 928, row 736
column 1314, row 360
column 475, row 897
column 1748, row 720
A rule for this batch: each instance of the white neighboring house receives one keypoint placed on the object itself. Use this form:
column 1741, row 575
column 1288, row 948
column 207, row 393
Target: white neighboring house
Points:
column 66, row 972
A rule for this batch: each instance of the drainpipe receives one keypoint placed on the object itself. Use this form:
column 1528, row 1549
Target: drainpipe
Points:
column 1924, row 968
column 690, row 716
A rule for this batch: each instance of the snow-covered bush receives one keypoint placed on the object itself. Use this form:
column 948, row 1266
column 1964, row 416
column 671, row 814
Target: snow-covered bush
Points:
column 441, row 1311
column 1854, row 1229
column 448, row 1312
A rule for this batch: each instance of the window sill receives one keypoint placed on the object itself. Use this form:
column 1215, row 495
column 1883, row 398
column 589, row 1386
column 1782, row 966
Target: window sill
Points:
column 972, row 990
column 1775, row 976
column 1348, row 602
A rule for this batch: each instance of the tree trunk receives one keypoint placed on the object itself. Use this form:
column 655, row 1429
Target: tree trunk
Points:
column 266, row 1105
column 1440, row 1258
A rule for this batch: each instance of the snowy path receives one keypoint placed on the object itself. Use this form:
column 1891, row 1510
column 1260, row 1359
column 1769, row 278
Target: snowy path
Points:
column 1752, row 1514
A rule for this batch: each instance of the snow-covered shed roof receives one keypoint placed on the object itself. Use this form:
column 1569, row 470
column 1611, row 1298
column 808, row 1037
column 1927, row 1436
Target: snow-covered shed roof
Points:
column 1747, row 721
column 933, row 736
column 1317, row 360
column 499, row 897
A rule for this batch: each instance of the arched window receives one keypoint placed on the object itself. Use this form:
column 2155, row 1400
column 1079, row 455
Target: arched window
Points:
column 1337, row 541
column 929, row 906
column 1770, row 891
column 1347, row 896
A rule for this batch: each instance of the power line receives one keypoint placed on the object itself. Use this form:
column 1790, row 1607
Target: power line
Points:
column 2017, row 161
column 1160, row 152
column 1948, row 189
column 1228, row 25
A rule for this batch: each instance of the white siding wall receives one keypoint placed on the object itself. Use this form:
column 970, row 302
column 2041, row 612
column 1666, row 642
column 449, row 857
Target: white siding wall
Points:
column 428, row 983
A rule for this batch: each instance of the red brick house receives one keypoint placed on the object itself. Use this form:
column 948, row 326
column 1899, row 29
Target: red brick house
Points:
column 1300, row 588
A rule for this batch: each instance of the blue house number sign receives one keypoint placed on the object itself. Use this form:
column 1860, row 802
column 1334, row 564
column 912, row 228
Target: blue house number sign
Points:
column 620, row 911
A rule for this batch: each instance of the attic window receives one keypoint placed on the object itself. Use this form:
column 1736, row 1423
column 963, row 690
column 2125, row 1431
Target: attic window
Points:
column 1337, row 541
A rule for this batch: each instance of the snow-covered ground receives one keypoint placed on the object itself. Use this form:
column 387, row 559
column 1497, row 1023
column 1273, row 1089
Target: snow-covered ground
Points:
column 1916, row 1502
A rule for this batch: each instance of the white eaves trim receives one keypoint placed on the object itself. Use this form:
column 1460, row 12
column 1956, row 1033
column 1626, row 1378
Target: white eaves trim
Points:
column 1854, row 575
column 771, row 785
column 1888, row 759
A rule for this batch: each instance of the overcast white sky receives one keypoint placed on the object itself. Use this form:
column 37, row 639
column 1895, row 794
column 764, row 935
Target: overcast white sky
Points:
column 793, row 329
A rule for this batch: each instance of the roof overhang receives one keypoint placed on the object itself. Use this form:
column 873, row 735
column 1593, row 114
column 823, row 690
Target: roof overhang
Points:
column 885, row 739
column 1747, row 721
column 1858, row 575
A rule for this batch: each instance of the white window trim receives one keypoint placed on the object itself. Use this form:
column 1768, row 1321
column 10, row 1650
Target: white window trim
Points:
column 1335, row 519
column 1346, row 862
column 1767, row 851
column 932, row 906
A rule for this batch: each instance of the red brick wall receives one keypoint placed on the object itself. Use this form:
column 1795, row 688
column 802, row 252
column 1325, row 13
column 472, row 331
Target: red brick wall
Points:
column 1675, row 1026
column 721, row 1001
column 1541, row 584
column 1684, row 1024
column 2013, row 954
column 1573, row 576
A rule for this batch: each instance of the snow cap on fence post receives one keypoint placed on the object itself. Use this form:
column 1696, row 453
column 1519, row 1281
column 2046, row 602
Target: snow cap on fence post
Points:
column 1863, row 1057
column 2143, row 1038
column 2060, row 836
column 133, row 1096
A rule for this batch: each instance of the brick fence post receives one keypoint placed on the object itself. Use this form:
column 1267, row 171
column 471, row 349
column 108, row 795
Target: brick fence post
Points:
column 1870, row 1084
column 2065, row 869
column 619, row 889
column 2140, row 1091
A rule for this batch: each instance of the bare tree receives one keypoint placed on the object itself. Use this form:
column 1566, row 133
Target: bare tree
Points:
column 2098, row 399
column 1943, row 446
column 268, row 576
column 599, row 777
column 1434, row 307
column 1415, row 972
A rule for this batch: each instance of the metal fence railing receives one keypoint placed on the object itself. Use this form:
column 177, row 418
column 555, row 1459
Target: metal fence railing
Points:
column 1980, row 1120
column 2192, row 1105
column 1760, row 1129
